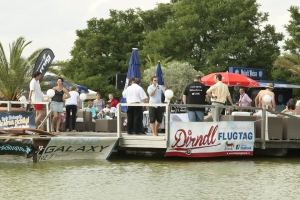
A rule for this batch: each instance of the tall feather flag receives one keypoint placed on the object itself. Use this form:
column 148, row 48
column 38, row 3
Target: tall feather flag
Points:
column 43, row 62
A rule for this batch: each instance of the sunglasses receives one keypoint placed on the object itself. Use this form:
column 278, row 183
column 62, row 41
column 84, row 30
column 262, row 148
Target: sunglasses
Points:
column 154, row 80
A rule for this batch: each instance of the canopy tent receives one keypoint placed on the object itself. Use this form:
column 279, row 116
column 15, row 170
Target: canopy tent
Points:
column 278, row 84
column 50, row 79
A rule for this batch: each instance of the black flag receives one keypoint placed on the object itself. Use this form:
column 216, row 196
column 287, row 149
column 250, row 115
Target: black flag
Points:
column 43, row 62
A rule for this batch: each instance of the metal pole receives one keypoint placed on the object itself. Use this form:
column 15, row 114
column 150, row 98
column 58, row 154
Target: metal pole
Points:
column 266, row 125
column 119, row 121
column 263, row 125
column 49, row 118
column 8, row 106
column 167, row 124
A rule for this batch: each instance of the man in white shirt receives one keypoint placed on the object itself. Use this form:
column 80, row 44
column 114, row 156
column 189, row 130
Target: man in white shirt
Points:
column 36, row 95
column 134, row 94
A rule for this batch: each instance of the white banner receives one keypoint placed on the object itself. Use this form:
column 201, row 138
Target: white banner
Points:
column 210, row 139
column 76, row 148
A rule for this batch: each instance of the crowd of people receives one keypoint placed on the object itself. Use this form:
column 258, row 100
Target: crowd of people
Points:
column 65, row 104
column 195, row 93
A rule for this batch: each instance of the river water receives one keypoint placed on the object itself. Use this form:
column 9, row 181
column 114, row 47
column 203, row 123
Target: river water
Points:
column 147, row 178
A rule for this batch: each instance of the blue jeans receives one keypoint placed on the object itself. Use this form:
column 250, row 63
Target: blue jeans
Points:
column 196, row 116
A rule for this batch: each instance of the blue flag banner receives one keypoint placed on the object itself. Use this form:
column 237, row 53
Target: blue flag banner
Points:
column 133, row 72
column 159, row 74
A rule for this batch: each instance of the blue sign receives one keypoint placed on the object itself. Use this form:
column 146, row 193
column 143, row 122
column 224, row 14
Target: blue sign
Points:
column 250, row 72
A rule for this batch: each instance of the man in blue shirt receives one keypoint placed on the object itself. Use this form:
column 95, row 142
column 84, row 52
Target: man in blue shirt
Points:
column 91, row 108
column 155, row 113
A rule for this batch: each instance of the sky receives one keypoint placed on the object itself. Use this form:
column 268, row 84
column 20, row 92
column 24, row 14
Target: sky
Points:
column 53, row 24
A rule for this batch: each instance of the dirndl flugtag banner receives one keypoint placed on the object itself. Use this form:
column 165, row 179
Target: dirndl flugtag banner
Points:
column 211, row 139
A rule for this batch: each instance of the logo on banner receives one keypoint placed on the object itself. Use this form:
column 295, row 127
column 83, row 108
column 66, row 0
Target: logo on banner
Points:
column 184, row 140
column 229, row 146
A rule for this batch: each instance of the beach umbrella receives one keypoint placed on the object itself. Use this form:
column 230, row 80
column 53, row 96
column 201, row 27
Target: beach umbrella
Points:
column 133, row 71
column 159, row 74
column 230, row 79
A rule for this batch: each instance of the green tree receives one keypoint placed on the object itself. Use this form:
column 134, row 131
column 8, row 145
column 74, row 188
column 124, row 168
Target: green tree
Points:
column 286, row 66
column 214, row 35
column 176, row 76
column 16, row 73
column 103, row 50
column 293, row 29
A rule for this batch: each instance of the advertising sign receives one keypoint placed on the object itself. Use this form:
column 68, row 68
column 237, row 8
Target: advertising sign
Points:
column 211, row 139
column 250, row 72
column 17, row 120
column 76, row 148
column 20, row 147
column 43, row 62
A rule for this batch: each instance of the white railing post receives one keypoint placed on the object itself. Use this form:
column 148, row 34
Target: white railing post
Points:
column 167, row 124
column 119, row 121
column 49, row 118
column 8, row 106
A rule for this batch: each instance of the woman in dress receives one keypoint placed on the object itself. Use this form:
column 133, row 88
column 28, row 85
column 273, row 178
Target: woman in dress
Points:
column 71, row 105
column 57, row 104
column 98, row 103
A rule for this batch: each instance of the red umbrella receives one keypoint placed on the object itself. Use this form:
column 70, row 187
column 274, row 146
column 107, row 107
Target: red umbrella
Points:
column 230, row 79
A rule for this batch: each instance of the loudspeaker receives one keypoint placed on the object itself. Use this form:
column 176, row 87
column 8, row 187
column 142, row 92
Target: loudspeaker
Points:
column 120, row 81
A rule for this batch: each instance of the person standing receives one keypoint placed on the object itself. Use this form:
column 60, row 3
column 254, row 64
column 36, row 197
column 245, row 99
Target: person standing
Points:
column 218, row 94
column 57, row 104
column 244, row 99
column 36, row 95
column 195, row 93
column 71, row 106
column 134, row 94
column 155, row 92
column 268, row 91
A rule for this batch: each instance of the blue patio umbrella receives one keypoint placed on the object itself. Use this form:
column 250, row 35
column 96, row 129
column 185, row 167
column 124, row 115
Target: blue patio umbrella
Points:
column 133, row 71
column 159, row 74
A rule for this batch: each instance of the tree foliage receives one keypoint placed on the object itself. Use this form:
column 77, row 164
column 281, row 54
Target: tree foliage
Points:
column 214, row 35
column 293, row 28
column 15, row 73
column 209, row 35
column 287, row 66
column 176, row 76
column 103, row 49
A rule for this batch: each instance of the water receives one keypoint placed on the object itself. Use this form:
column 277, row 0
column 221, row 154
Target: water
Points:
column 146, row 178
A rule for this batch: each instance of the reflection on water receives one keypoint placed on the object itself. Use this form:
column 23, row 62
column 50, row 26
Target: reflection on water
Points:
column 140, row 178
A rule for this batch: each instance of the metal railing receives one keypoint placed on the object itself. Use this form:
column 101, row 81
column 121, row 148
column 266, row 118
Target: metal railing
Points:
column 264, row 119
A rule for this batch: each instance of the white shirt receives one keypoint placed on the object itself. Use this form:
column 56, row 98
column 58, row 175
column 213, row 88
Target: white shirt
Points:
column 37, row 94
column 73, row 99
column 134, row 94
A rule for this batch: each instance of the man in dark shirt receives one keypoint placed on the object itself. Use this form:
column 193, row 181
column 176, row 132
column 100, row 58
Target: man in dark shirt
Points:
column 195, row 93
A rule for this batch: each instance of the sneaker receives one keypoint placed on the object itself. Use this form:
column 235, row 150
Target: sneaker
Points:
column 74, row 131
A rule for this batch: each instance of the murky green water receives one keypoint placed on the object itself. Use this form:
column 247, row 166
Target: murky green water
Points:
column 144, row 178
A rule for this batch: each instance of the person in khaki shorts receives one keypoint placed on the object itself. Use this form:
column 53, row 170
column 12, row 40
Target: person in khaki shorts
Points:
column 218, row 94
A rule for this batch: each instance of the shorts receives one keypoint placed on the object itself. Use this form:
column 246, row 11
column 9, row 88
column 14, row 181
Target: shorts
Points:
column 57, row 106
column 38, row 107
column 155, row 114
